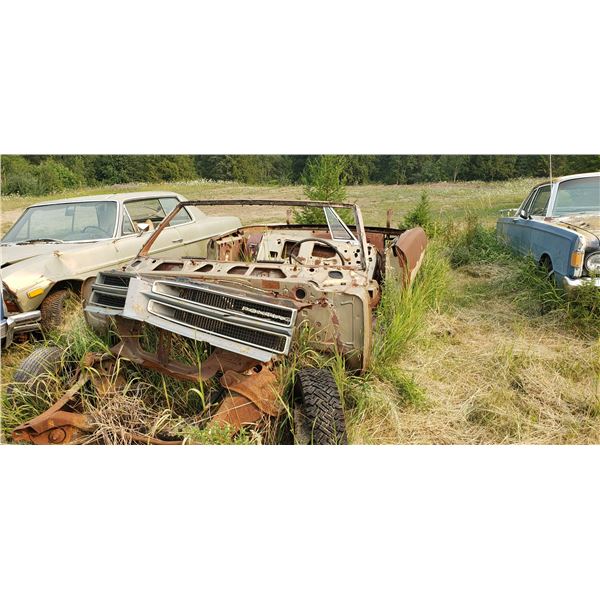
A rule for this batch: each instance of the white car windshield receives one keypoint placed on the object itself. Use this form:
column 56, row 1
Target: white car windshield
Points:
column 577, row 196
column 65, row 222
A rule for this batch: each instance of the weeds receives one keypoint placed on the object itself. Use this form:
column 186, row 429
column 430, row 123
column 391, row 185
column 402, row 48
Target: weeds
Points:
column 472, row 243
column 387, row 389
column 537, row 293
column 402, row 310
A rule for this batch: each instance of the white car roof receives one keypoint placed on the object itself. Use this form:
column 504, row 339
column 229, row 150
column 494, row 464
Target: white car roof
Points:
column 123, row 197
column 567, row 177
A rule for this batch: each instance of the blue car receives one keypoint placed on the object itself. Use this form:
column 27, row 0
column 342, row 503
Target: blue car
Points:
column 558, row 224
column 15, row 322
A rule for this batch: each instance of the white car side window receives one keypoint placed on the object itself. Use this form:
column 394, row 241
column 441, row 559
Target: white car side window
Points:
column 168, row 204
column 127, row 227
column 540, row 202
column 527, row 203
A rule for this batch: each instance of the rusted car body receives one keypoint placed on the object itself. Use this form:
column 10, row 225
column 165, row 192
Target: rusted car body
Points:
column 251, row 292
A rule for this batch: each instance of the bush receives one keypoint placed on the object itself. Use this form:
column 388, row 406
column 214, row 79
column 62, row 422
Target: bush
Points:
column 24, row 183
column 55, row 177
column 18, row 176
column 420, row 215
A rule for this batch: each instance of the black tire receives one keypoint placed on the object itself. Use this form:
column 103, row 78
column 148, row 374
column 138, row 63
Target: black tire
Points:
column 318, row 415
column 32, row 375
column 52, row 309
column 546, row 265
column 548, row 269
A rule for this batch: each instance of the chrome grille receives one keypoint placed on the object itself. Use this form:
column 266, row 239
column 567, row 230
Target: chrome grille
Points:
column 110, row 290
column 254, row 337
column 114, row 280
column 216, row 298
column 225, row 315
column 108, row 300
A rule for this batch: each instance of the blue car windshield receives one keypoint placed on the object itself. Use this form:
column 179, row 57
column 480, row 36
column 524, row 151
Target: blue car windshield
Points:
column 578, row 196
column 65, row 222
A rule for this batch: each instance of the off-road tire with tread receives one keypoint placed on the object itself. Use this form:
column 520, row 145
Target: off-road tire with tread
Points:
column 319, row 416
column 52, row 309
column 29, row 375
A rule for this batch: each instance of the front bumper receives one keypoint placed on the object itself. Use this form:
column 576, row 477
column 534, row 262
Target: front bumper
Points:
column 19, row 323
column 573, row 284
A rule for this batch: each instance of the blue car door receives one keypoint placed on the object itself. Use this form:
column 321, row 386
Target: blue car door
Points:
column 536, row 211
column 514, row 230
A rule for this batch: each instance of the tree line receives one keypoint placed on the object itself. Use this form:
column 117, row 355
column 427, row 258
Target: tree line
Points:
column 44, row 174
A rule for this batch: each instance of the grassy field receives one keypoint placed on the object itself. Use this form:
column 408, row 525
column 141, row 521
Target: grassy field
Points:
column 448, row 200
column 480, row 350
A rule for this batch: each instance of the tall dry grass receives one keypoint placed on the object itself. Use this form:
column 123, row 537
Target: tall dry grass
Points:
column 507, row 357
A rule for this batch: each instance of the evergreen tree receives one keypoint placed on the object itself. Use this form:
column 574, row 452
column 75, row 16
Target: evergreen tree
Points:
column 324, row 182
column 420, row 215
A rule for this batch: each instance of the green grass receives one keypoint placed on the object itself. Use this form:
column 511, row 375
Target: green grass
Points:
column 448, row 201
column 483, row 348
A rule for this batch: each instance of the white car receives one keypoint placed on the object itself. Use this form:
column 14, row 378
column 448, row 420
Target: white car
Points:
column 58, row 246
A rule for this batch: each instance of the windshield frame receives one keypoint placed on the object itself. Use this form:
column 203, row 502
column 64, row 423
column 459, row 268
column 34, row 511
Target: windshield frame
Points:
column 75, row 201
column 359, row 223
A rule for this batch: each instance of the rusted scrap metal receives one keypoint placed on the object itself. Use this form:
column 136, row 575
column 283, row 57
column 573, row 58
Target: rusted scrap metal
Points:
column 409, row 249
column 260, row 387
column 237, row 411
column 219, row 361
column 59, row 424
column 63, row 423
column 253, row 393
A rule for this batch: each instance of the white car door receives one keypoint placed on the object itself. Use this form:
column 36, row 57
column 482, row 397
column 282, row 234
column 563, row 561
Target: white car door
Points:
column 189, row 232
column 140, row 218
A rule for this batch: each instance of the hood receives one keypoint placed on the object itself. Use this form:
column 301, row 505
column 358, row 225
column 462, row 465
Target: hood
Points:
column 590, row 222
column 11, row 254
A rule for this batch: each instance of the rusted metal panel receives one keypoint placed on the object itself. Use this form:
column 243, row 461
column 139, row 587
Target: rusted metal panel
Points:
column 253, row 393
column 58, row 424
column 407, row 252
column 259, row 387
column 237, row 411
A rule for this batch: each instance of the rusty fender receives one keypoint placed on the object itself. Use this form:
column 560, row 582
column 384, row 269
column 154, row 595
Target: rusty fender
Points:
column 409, row 250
